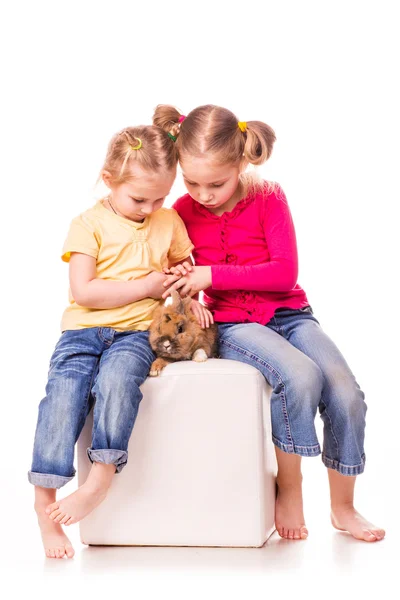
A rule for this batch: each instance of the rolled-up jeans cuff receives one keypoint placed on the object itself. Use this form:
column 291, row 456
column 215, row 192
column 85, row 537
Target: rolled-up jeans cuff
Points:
column 47, row 480
column 296, row 449
column 350, row 470
column 119, row 458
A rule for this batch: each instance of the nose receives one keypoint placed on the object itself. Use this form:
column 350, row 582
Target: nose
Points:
column 146, row 210
column 205, row 196
column 166, row 344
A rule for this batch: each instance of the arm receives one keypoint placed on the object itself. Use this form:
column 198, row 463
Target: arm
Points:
column 280, row 273
column 92, row 292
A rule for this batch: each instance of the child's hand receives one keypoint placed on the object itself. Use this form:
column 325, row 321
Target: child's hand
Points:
column 155, row 284
column 203, row 315
column 182, row 269
column 198, row 279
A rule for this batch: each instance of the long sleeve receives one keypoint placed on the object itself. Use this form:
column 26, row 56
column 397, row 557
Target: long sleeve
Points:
column 279, row 273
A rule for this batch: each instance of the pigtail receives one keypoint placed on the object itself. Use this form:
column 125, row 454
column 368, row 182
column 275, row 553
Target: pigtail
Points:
column 259, row 141
column 168, row 118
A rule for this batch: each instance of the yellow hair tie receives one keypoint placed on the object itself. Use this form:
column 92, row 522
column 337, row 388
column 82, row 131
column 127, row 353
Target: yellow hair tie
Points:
column 138, row 146
column 242, row 126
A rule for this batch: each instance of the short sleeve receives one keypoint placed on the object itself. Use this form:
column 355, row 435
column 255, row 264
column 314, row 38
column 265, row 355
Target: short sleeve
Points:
column 181, row 246
column 81, row 238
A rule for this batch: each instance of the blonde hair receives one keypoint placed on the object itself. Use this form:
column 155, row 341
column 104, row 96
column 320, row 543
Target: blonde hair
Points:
column 214, row 131
column 147, row 146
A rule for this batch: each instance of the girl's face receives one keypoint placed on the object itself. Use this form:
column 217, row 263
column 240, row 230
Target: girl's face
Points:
column 212, row 185
column 143, row 195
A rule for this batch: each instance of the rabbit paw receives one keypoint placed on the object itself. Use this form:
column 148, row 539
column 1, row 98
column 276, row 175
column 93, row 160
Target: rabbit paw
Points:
column 157, row 367
column 200, row 355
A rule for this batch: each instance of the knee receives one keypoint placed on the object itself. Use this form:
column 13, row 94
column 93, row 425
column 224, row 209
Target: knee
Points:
column 349, row 398
column 120, row 386
column 308, row 383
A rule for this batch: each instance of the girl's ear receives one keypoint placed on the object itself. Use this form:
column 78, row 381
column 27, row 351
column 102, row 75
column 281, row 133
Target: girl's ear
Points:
column 106, row 178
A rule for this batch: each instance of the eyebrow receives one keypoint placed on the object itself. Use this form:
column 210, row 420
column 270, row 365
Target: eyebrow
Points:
column 146, row 199
column 210, row 183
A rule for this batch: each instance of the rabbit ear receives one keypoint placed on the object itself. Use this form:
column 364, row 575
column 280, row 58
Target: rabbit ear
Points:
column 177, row 302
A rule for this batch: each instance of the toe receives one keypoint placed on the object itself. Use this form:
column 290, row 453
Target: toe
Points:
column 290, row 534
column 64, row 519
column 61, row 516
column 54, row 514
column 52, row 507
column 69, row 550
column 379, row 533
column 368, row 536
column 304, row 533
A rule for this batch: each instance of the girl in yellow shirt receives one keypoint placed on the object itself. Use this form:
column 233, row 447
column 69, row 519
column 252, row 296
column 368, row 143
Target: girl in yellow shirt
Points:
column 117, row 251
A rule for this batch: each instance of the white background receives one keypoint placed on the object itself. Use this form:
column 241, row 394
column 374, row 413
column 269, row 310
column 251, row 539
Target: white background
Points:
column 324, row 75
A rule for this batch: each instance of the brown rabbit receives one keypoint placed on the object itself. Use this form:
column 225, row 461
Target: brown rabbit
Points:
column 175, row 334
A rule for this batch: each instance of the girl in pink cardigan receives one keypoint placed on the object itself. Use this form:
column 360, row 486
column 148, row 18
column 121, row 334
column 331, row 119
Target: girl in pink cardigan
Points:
column 246, row 262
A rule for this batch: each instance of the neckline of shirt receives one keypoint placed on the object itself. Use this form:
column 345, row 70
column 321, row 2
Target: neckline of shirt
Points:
column 240, row 206
column 134, row 224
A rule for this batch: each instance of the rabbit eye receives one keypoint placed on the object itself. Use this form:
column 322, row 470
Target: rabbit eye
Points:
column 167, row 318
column 180, row 328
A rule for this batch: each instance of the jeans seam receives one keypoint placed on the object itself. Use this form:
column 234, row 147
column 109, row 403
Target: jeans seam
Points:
column 88, row 393
column 331, row 428
column 278, row 376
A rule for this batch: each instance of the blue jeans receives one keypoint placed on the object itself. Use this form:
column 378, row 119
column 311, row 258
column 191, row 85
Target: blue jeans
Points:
column 306, row 372
column 96, row 365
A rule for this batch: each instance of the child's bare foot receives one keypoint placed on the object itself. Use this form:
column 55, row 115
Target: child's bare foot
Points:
column 289, row 517
column 55, row 542
column 76, row 506
column 346, row 518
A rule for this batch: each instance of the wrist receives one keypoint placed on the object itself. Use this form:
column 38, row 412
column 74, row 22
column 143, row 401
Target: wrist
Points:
column 140, row 289
column 209, row 276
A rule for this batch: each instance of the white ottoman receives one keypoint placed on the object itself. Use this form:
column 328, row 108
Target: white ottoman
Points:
column 201, row 468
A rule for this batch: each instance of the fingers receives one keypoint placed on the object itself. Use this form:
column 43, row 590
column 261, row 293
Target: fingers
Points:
column 209, row 318
column 199, row 314
column 171, row 279
column 182, row 269
column 203, row 315
column 178, row 285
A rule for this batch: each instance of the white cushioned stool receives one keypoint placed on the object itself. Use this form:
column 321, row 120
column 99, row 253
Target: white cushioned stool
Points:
column 201, row 466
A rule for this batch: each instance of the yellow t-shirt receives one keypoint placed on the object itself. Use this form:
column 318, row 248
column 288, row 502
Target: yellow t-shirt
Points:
column 123, row 250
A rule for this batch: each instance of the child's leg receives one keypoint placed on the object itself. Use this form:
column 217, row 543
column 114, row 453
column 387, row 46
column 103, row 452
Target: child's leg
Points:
column 62, row 414
column 296, row 383
column 78, row 505
column 123, row 368
column 343, row 514
column 55, row 542
column 289, row 516
column 343, row 412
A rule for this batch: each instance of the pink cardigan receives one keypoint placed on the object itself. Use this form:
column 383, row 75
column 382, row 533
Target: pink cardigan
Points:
column 253, row 256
